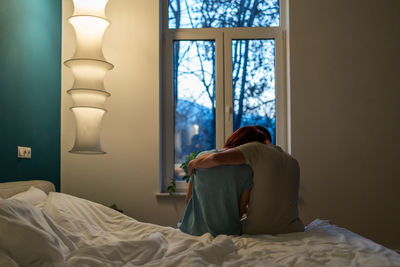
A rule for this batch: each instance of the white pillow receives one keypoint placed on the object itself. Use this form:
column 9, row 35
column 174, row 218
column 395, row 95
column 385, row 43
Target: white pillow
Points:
column 33, row 196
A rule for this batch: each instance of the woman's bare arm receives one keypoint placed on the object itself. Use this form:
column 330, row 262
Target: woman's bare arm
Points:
column 189, row 192
column 227, row 157
column 244, row 200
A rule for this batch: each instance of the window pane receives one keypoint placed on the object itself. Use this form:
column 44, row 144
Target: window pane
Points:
column 194, row 91
column 253, row 77
column 223, row 13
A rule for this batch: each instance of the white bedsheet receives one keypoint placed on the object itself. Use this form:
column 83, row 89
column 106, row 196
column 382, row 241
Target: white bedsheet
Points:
column 94, row 235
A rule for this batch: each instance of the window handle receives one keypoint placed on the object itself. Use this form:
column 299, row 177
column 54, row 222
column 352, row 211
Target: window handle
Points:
column 229, row 110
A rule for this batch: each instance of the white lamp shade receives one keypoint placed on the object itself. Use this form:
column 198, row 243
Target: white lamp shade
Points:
column 88, row 73
column 89, row 68
column 89, row 32
column 90, row 7
column 87, row 137
column 88, row 97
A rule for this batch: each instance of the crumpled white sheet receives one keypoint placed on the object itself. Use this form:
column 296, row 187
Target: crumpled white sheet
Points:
column 99, row 236
column 29, row 237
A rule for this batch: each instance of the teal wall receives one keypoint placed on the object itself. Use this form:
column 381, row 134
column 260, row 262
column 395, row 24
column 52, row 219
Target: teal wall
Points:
column 30, row 89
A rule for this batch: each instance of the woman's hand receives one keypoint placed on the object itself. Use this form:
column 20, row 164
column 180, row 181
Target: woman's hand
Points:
column 201, row 161
column 191, row 166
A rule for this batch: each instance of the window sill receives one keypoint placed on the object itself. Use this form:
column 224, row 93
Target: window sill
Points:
column 174, row 195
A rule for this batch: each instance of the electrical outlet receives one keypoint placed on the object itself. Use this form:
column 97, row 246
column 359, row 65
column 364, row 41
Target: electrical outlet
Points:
column 24, row 152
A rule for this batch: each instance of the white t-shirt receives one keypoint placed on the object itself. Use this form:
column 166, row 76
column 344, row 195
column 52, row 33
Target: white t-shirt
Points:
column 273, row 199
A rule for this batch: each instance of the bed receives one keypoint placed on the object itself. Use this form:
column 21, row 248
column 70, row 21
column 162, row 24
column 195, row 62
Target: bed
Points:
column 57, row 229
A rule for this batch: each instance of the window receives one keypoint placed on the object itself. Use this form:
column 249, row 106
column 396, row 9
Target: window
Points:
column 222, row 68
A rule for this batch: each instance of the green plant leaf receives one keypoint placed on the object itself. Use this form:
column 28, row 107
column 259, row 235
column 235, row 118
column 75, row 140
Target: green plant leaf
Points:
column 172, row 187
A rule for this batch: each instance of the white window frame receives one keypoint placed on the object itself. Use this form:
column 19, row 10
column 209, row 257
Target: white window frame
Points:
column 223, row 88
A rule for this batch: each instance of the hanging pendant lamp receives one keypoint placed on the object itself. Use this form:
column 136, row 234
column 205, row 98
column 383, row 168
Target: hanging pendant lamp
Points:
column 89, row 68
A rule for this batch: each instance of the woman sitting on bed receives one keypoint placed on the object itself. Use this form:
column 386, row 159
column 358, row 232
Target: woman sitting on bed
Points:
column 217, row 197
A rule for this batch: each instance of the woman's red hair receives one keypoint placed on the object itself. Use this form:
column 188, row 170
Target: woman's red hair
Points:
column 245, row 135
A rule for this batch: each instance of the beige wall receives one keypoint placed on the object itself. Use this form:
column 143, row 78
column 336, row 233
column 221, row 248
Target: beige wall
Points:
column 346, row 113
column 345, row 122
column 128, row 174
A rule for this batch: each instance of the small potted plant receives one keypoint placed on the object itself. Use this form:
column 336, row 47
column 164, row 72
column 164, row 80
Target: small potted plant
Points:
column 172, row 187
